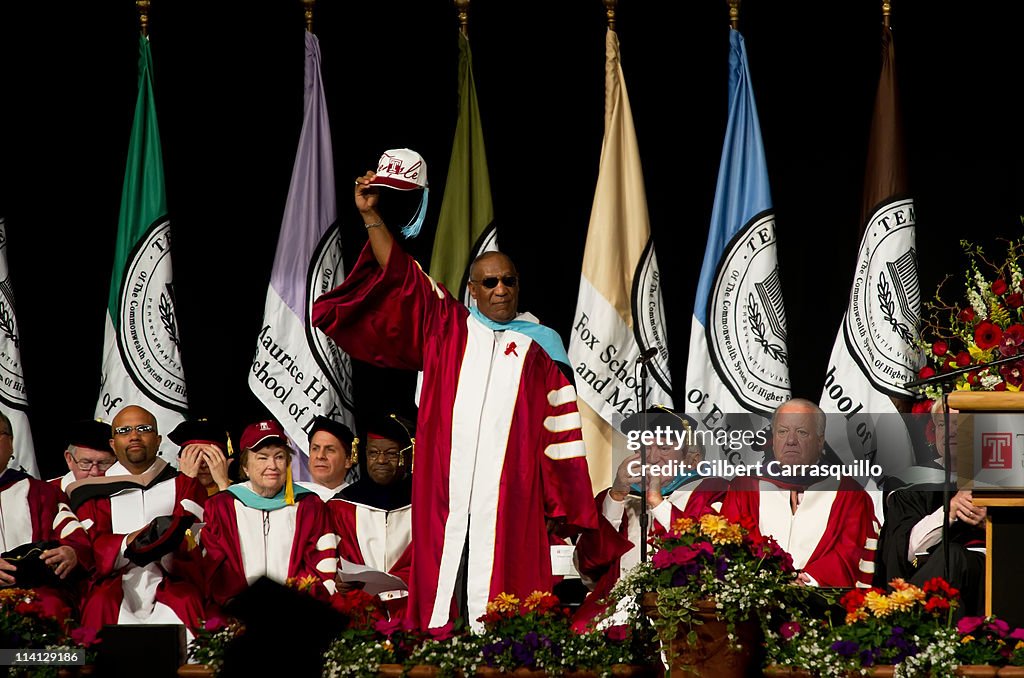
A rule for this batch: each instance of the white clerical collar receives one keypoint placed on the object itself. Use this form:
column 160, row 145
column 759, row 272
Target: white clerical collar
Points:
column 119, row 470
column 322, row 491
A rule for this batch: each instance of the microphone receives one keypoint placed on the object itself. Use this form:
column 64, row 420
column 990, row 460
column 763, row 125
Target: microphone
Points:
column 648, row 355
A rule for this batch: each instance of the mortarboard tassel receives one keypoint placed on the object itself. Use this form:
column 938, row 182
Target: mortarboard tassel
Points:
column 289, row 488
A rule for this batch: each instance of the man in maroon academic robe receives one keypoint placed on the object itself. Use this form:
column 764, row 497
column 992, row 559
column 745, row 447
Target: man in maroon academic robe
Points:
column 373, row 516
column 35, row 511
column 826, row 524
column 88, row 452
column 116, row 508
column 498, row 428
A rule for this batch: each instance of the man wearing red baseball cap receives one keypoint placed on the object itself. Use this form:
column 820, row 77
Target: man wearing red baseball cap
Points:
column 266, row 526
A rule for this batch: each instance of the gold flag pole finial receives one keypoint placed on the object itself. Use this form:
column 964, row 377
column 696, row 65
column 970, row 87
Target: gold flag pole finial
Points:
column 143, row 7
column 307, row 7
column 609, row 10
column 886, row 11
column 462, row 9
column 734, row 14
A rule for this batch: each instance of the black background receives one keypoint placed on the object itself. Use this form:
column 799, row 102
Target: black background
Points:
column 228, row 81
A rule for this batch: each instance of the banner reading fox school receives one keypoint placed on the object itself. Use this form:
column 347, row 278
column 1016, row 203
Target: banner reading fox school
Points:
column 141, row 347
column 738, row 360
column 297, row 372
column 874, row 352
column 13, row 397
column 619, row 314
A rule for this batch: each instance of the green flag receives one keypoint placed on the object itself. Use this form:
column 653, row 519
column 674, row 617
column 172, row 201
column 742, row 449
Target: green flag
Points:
column 465, row 225
column 141, row 352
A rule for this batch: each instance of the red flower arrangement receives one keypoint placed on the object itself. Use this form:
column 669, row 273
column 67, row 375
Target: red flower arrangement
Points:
column 986, row 325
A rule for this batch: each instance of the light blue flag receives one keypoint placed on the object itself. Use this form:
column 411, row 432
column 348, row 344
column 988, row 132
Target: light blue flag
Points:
column 297, row 372
column 737, row 360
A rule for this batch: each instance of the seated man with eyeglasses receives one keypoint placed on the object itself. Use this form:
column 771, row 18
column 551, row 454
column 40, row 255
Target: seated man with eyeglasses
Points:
column 136, row 584
column 373, row 516
column 88, row 452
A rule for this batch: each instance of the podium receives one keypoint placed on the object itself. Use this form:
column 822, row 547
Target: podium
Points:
column 1004, row 527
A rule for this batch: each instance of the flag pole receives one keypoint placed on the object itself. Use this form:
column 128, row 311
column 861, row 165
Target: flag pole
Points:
column 734, row 14
column 609, row 9
column 143, row 7
column 307, row 9
column 886, row 11
column 462, row 9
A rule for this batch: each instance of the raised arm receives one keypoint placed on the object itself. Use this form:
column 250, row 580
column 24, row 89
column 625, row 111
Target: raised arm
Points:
column 367, row 197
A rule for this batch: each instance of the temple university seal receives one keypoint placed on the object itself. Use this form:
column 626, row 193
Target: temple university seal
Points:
column 12, row 378
column 649, row 315
column 327, row 271
column 147, row 331
column 746, row 321
column 885, row 301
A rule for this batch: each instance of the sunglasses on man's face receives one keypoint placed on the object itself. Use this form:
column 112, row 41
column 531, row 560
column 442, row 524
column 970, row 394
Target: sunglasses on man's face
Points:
column 141, row 428
column 492, row 282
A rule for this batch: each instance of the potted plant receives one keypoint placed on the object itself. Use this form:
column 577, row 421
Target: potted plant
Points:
column 988, row 641
column 534, row 637
column 529, row 637
column 907, row 632
column 711, row 588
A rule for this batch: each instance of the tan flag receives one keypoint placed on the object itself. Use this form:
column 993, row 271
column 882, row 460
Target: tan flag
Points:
column 619, row 314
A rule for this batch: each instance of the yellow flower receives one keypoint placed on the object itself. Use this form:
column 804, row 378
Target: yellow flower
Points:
column 683, row 525
column 879, row 604
column 504, row 602
column 720, row 530
column 966, row 639
column 859, row 615
column 898, row 584
column 978, row 355
column 904, row 599
column 1019, row 645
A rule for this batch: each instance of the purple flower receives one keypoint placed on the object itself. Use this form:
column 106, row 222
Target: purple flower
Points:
column 845, row 648
column 870, row 657
column 493, row 651
column 1016, row 634
column 999, row 626
column 524, row 654
column 721, row 567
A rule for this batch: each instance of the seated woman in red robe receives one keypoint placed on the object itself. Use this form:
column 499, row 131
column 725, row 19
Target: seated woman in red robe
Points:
column 267, row 526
